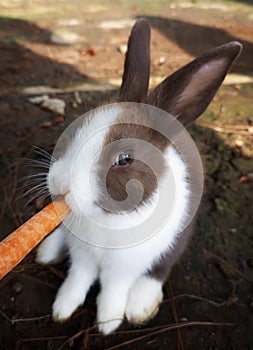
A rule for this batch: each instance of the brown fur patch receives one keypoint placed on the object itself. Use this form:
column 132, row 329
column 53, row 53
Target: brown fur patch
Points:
column 148, row 165
column 162, row 267
column 135, row 80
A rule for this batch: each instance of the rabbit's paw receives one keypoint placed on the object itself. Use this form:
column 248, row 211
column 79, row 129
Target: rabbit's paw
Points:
column 144, row 299
column 110, row 313
column 52, row 249
column 106, row 327
column 109, row 317
column 64, row 306
column 67, row 301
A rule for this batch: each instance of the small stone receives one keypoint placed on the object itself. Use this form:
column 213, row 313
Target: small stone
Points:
column 238, row 87
column 17, row 287
column 37, row 100
column 116, row 24
column 233, row 230
column 91, row 51
column 46, row 124
column 122, row 49
column 55, row 105
column 246, row 178
column 64, row 38
column 239, row 143
column 74, row 104
column 183, row 319
column 77, row 97
column 71, row 22
column 161, row 60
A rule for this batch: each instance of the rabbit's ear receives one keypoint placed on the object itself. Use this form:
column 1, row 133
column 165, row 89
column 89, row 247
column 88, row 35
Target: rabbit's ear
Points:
column 187, row 93
column 135, row 81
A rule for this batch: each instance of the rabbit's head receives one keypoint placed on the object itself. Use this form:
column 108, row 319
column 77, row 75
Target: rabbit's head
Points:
column 118, row 154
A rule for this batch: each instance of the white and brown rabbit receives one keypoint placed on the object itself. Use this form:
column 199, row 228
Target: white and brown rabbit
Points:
column 131, row 277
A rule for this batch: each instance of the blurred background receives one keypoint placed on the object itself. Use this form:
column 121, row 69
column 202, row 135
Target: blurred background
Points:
column 59, row 59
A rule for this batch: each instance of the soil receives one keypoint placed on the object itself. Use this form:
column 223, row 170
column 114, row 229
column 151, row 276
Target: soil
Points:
column 209, row 292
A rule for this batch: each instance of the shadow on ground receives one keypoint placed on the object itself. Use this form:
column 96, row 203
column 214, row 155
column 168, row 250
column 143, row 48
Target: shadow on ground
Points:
column 195, row 39
column 20, row 66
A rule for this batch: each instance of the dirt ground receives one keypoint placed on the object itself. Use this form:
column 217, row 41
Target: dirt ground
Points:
column 208, row 300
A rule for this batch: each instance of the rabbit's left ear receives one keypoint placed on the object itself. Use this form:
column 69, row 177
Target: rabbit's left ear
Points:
column 187, row 92
column 135, row 81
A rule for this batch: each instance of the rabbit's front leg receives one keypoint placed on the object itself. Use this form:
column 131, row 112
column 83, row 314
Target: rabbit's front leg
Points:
column 111, row 302
column 72, row 293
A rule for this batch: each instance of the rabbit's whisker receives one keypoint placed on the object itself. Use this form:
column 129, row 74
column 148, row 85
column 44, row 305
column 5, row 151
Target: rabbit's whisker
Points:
column 39, row 186
column 39, row 194
column 43, row 153
column 38, row 175
column 33, row 182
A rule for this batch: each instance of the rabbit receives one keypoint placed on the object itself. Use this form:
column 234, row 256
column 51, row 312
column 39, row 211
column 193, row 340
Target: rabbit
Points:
column 132, row 277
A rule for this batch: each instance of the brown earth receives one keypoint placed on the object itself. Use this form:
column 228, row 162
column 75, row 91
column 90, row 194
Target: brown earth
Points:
column 213, row 281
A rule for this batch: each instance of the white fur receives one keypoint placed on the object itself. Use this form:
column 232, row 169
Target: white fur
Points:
column 120, row 271
column 52, row 249
column 71, row 174
column 72, row 293
column 143, row 300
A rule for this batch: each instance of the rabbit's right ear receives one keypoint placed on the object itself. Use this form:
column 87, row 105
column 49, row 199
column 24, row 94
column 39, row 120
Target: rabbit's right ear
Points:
column 135, row 81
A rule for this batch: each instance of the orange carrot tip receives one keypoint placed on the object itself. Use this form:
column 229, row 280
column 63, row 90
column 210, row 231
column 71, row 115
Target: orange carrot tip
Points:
column 20, row 242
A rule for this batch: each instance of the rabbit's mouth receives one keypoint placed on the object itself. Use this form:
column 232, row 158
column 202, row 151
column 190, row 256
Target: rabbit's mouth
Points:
column 57, row 180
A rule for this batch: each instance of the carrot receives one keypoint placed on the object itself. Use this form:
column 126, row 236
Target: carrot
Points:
column 21, row 241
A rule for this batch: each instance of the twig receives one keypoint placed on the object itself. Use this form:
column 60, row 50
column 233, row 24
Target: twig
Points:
column 133, row 331
column 77, row 335
column 24, row 340
column 229, row 266
column 31, row 90
column 34, row 279
column 27, row 266
column 231, row 126
column 31, row 319
column 5, row 316
column 84, row 341
column 196, row 297
column 165, row 329
column 18, row 320
column 174, row 312
column 230, row 129
column 57, row 272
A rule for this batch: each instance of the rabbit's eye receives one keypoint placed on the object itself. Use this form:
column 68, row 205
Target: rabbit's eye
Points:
column 123, row 159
